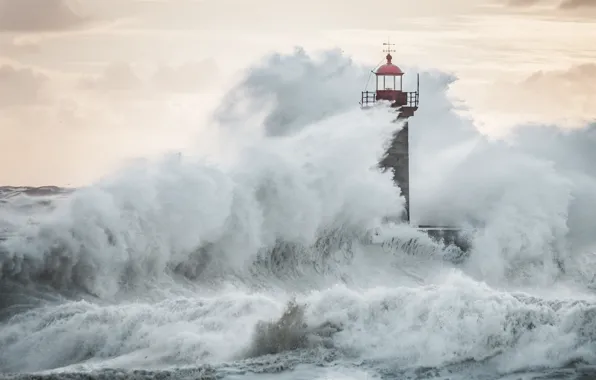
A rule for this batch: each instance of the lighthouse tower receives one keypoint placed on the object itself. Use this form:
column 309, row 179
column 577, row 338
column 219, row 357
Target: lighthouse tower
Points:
column 389, row 87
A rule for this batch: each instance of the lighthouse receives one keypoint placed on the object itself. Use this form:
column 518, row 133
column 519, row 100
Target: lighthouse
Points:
column 389, row 87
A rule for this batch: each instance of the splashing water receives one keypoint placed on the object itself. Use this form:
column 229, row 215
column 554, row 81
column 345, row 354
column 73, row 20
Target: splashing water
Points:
column 258, row 266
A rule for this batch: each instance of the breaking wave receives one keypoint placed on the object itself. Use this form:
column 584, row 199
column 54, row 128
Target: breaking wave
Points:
column 197, row 267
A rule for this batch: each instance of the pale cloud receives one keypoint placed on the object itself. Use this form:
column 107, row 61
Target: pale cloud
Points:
column 242, row 15
column 578, row 83
column 560, row 96
column 523, row 3
column 573, row 4
column 69, row 130
column 39, row 15
column 21, row 86
column 583, row 75
column 118, row 76
column 187, row 78
column 554, row 4
column 74, row 141
column 19, row 47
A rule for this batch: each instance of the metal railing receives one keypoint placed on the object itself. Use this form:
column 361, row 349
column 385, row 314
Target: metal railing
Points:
column 368, row 98
column 412, row 99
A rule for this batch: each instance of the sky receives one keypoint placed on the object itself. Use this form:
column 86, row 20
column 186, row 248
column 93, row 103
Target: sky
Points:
column 86, row 85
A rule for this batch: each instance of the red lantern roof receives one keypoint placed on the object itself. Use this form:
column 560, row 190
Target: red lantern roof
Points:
column 389, row 68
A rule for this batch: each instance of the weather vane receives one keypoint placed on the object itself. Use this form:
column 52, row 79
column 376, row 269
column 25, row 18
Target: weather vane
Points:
column 388, row 49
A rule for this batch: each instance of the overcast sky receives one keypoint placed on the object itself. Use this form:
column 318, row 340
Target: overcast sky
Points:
column 81, row 80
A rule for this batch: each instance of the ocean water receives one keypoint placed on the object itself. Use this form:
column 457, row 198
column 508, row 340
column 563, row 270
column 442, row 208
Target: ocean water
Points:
column 257, row 266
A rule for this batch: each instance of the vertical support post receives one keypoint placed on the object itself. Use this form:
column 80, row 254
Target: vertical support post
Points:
column 417, row 89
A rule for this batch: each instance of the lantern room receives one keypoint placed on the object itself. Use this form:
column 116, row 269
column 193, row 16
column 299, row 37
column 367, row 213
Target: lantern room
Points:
column 388, row 80
column 389, row 87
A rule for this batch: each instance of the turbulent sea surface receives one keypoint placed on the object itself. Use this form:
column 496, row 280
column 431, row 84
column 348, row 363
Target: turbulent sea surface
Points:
column 258, row 266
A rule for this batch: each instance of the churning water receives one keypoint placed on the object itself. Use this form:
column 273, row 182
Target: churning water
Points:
column 256, row 268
